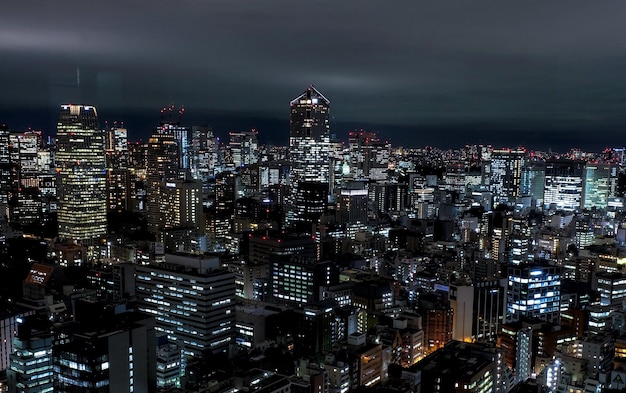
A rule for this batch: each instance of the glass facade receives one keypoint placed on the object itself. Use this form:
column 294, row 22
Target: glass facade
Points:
column 81, row 174
column 309, row 137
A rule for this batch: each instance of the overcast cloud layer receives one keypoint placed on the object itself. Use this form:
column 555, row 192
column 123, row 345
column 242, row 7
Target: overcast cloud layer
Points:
column 547, row 67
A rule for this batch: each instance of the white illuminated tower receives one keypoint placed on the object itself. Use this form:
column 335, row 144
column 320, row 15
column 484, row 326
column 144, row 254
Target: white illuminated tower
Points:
column 309, row 138
column 81, row 175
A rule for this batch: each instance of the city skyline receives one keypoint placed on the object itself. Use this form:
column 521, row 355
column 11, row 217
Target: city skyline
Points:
column 496, row 73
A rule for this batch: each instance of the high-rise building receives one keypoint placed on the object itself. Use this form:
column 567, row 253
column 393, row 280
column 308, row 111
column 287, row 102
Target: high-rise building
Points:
column 170, row 363
column 352, row 204
column 244, row 147
column 7, row 172
column 162, row 167
column 309, row 137
column 390, row 196
column 193, row 301
column 369, row 156
column 118, row 171
column 597, row 188
column 611, row 286
column 30, row 368
column 534, row 291
column 533, row 182
column 295, row 280
column 309, row 201
column 564, row 184
column 183, row 138
column 478, row 310
column 105, row 349
column 503, row 173
column 81, row 175
column 205, row 155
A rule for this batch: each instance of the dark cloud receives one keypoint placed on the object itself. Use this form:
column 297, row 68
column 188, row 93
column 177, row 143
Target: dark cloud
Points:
column 548, row 67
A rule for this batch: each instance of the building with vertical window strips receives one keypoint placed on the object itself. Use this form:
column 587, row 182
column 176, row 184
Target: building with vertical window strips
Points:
column 534, row 291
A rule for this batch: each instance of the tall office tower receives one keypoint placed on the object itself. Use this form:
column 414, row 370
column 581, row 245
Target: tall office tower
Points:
column 478, row 309
column 390, row 196
column 205, row 155
column 597, row 189
column 503, row 173
column 7, row 172
column 352, row 204
column 182, row 136
column 182, row 204
column 351, row 209
column 25, row 151
column 193, row 301
column 524, row 354
column 81, row 175
column 105, row 350
column 533, row 181
column 309, row 138
column 244, row 147
column 138, row 167
column 369, row 156
column 162, row 167
column 30, row 364
column 438, row 322
column 170, row 363
column 564, row 184
column 519, row 247
column 295, row 280
column 119, row 188
column 534, row 291
column 461, row 367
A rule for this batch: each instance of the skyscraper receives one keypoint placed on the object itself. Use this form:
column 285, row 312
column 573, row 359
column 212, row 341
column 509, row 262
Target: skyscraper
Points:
column 81, row 174
column 503, row 173
column 7, row 173
column 597, row 185
column 118, row 173
column 244, row 147
column 162, row 161
column 309, row 137
column 534, row 291
column 564, row 184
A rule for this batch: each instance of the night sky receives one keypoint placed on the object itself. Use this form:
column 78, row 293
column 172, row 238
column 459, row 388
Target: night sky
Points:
column 547, row 74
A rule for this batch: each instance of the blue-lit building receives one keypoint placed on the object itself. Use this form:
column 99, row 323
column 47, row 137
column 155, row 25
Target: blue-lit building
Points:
column 598, row 183
column 534, row 291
